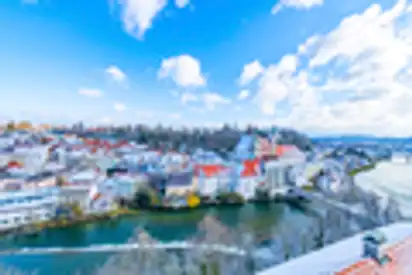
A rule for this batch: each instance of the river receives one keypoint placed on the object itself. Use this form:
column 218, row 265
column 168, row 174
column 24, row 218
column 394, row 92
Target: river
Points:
column 162, row 226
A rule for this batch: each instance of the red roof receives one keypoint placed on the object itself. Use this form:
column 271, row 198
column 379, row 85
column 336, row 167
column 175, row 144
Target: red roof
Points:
column 14, row 164
column 400, row 264
column 282, row 149
column 209, row 170
column 250, row 168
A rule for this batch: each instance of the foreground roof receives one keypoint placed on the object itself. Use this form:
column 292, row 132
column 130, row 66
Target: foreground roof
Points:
column 345, row 257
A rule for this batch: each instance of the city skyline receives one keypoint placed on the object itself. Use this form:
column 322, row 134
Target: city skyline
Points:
column 319, row 66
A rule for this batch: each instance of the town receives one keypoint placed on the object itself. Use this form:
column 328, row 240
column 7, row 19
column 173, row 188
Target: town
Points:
column 56, row 179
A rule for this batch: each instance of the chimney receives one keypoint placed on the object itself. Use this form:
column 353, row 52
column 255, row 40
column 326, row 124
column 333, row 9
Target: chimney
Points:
column 373, row 246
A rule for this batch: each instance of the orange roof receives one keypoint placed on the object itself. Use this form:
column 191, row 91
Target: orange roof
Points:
column 209, row 170
column 249, row 168
column 14, row 164
column 282, row 149
column 399, row 264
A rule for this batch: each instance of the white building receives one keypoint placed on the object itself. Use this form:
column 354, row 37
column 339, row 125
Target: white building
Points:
column 27, row 207
column 249, row 179
column 78, row 194
column 277, row 176
column 209, row 178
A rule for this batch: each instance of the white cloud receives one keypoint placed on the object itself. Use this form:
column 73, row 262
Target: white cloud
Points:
column 250, row 72
column 212, row 99
column 137, row 15
column 119, row 107
column 188, row 97
column 182, row 3
column 243, row 94
column 185, row 71
column 116, row 74
column 89, row 92
column 364, row 62
column 297, row 4
column 276, row 82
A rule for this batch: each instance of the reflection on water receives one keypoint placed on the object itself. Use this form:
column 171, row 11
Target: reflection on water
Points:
column 162, row 226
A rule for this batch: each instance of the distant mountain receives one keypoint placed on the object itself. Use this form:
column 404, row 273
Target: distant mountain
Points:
column 361, row 138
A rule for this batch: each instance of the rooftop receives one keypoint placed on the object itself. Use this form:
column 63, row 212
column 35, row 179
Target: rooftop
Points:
column 345, row 256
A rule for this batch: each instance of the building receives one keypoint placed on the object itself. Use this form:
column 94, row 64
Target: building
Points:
column 210, row 178
column 277, row 178
column 26, row 207
column 249, row 179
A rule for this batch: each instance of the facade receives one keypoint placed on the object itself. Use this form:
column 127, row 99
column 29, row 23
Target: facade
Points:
column 75, row 194
column 26, row 207
column 210, row 178
column 277, row 176
column 250, row 178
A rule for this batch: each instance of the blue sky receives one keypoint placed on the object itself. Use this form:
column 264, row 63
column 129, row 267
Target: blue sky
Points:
column 202, row 62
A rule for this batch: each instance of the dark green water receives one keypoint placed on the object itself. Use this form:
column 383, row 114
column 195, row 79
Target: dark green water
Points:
column 162, row 226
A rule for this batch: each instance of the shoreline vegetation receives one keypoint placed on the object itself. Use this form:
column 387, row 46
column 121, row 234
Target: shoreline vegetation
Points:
column 124, row 212
column 131, row 209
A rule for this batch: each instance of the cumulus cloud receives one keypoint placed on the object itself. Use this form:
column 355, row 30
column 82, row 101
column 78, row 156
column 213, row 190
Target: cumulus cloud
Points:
column 181, row 3
column 209, row 99
column 184, row 70
column 243, row 94
column 364, row 72
column 116, row 74
column 250, row 72
column 188, row 97
column 296, row 4
column 90, row 92
column 212, row 99
column 119, row 107
column 138, row 15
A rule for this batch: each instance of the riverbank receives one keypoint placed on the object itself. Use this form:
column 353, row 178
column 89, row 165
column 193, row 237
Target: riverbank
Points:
column 362, row 169
column 162, row 226
column 36, row 228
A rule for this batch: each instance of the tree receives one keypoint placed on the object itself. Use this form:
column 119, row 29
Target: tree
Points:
column 11, row 126
column 60, row 181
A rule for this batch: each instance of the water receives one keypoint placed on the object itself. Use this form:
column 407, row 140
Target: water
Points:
column 390, row 180
column 162, row 226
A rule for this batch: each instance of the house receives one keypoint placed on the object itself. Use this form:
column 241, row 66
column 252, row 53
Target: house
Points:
column 179, row 183
column 250, row 177
column 124, row 186
column 277, row 176
column 210, row 178
column 26, row 207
